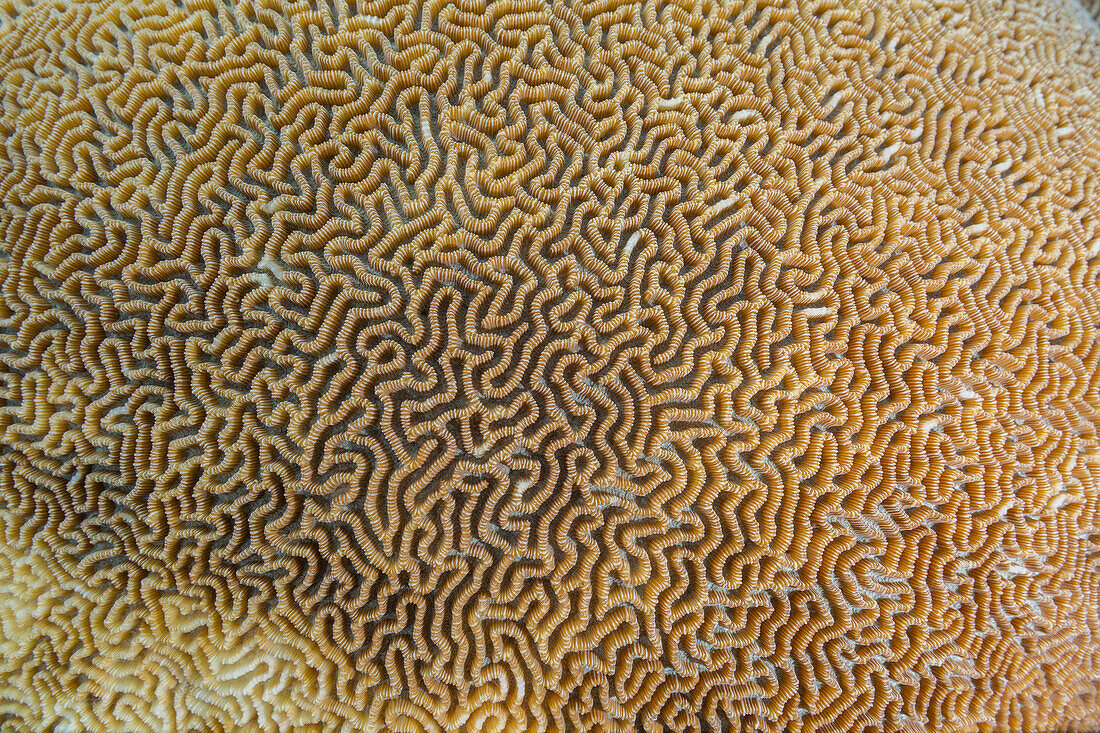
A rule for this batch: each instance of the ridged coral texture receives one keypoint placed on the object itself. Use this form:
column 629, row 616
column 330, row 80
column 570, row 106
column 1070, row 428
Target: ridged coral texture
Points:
column 549, row 365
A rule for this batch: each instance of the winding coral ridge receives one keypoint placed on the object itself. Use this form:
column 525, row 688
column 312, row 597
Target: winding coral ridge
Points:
column 538, row 365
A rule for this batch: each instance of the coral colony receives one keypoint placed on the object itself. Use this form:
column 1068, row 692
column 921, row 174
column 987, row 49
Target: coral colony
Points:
column 539, row 365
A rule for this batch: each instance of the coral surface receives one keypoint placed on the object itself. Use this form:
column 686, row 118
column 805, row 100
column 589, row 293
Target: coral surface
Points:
column 580, row 365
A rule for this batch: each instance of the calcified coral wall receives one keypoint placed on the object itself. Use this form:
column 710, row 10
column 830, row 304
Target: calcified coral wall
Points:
column 548, row 365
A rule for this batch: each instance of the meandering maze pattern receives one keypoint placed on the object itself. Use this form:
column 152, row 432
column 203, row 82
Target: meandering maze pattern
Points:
column 547, row 365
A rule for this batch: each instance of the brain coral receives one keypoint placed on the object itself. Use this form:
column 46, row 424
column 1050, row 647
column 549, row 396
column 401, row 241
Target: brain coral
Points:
column 580, row 365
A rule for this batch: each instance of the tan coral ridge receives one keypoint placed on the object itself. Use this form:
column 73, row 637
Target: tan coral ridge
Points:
column 528, row 365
